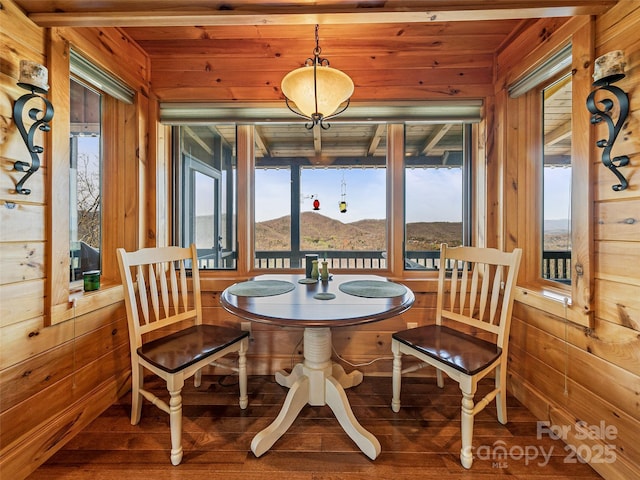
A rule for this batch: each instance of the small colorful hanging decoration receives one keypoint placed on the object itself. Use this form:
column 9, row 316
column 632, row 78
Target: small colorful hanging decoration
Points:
column 343, row 196
column 316, row 204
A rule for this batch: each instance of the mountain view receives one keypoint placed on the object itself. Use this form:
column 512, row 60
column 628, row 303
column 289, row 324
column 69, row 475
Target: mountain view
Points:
column 557, row 235
column 319, row 232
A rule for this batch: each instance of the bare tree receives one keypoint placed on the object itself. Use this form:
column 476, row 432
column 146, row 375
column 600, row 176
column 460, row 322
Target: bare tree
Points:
column 88, row 199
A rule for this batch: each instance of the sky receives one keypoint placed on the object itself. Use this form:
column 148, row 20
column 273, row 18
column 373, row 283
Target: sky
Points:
column 432, row 194
column 365, row 193
column 436, row 188
column 557, row 193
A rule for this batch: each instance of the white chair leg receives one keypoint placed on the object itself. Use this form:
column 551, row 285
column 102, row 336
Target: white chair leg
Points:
column 137, row 378
column 396, row 377
column 175, row 418
column 501, row 397
column 242, row 377
column 439, row 379
column 197, row 378
column 466, row 424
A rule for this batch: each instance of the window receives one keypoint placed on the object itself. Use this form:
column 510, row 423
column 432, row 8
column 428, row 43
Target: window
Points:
column 436, row 183
column 85, row 224
column 205, row 178
column 96, row 112
column 337, row 193
column 546, row 93
column 96, row 168
column 272, row 208
column 321, row 192
column 550, row 208
column 556, row 181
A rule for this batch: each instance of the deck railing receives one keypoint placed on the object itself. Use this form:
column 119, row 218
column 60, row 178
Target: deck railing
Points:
column 336, row 259
column 556, row 265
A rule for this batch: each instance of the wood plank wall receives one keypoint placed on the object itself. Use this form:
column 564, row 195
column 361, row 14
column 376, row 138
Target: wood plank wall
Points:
column 563, row 372
column 53, row 380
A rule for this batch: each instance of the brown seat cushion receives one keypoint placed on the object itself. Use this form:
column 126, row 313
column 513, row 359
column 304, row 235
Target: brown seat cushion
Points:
column 181, row 349
column 463, row 352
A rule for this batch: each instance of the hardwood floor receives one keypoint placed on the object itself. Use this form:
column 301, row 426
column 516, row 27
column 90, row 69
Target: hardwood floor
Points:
column 421, row 441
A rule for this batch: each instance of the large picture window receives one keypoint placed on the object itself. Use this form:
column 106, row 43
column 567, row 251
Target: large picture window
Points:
column 348, row 193
column 321, row 193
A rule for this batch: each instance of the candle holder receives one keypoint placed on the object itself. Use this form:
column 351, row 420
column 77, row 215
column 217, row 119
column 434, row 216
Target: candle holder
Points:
column 33, row 77
column 609, row 69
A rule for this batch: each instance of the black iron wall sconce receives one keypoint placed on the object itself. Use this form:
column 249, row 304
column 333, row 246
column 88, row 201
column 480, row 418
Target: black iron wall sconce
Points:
column 609, row 69
column 33, row 77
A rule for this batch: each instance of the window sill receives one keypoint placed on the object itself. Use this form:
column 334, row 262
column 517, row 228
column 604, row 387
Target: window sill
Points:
column 81, row 302
column 555, row 302
column 417, row 285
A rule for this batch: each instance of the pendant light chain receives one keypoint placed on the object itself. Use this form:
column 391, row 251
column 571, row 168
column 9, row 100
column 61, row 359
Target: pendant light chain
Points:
column 316, row 118
column 317, row 50
column 316, row 54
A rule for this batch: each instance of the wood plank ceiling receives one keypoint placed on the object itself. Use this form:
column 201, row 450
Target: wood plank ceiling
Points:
column 237, row 52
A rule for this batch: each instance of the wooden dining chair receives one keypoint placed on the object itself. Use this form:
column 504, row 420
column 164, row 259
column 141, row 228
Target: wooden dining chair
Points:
column 166, row 333
column 470, row 336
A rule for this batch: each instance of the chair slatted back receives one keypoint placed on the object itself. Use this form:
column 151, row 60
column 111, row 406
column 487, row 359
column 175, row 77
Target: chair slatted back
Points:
column 156, row 288
column 479, row 290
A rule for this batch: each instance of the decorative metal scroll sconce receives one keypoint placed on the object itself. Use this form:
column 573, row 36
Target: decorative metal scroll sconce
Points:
column 609, row 69
column 33, row 77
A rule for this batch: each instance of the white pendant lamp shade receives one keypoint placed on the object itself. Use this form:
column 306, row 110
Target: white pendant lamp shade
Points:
column 317, row 91
column 331, row 88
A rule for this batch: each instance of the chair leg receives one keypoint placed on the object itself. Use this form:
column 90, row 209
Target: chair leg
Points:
column 501, row 397
column 174, row 385
column 396, row 377
column 439, row 379
column 137, row 379
column 242, row 376
column 197, row 378
column 466, row 425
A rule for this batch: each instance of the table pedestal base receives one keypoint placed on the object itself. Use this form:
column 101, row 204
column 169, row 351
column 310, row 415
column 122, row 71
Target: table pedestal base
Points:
column 317, row 381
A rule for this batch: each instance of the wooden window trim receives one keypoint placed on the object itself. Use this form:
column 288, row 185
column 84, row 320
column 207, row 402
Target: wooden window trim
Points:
column 574, row 302
column 121, row 193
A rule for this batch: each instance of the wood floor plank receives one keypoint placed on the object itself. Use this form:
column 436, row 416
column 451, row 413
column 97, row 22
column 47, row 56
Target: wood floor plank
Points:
column 420, row 441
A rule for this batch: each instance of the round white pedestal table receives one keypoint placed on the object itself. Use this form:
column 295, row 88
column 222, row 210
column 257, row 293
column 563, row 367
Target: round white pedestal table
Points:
column 317, row 381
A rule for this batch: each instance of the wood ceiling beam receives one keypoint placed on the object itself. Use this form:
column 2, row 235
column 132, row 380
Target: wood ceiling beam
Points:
column 300, row 14
column 196, row 138
column 434, row 138
column 381, row 130
column 557, row 135
column 261, row 145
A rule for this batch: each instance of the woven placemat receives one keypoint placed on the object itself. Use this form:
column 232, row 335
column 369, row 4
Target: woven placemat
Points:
column 373, row 288
column 261, row 288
